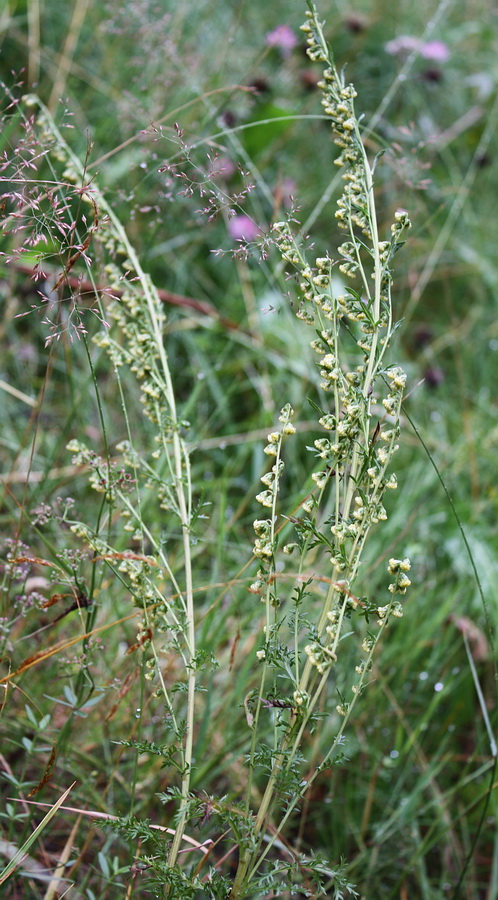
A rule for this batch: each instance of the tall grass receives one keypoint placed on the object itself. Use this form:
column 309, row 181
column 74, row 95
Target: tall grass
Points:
column 225, row 692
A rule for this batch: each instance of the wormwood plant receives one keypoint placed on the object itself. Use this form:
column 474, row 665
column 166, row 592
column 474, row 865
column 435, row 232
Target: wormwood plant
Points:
column 316, row 616
column 303, row 641
column 130, row 300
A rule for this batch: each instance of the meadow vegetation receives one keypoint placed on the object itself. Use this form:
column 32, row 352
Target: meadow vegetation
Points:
column 248, row 443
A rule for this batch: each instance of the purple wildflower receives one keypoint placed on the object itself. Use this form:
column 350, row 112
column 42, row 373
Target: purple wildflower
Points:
column 405, row 43
column 435, row 50
column 242, row 228
column 221, row 167
column 283, row 38
column 285, row 192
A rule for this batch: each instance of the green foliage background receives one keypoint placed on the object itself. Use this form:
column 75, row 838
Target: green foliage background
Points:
column 405, row 809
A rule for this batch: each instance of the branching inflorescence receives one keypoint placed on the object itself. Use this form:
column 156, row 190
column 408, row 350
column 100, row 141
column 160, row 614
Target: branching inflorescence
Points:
column 360, row 415
column 136, row 341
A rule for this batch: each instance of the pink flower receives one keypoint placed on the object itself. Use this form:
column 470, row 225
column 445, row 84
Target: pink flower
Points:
column 405, row 43
column 435, row 50
column 221, row 167
column 242, row 228
column 285, row 192
column 282, row 37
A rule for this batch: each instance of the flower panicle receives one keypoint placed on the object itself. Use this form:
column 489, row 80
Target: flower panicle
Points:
column 356, row 451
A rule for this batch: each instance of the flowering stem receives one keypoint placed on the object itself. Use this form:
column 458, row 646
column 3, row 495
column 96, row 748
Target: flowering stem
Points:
column 173, row 446
column 356, row 458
